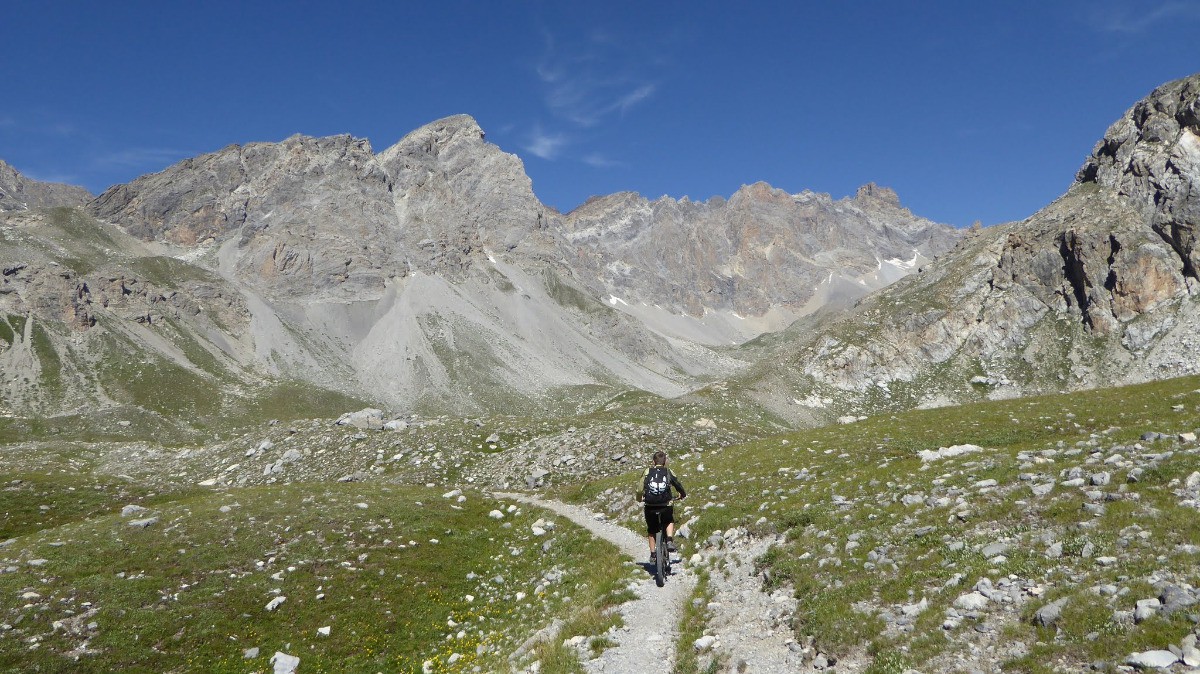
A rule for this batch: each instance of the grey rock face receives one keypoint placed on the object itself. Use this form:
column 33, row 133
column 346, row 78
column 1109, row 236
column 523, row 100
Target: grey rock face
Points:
column 18, row 193
column 456, row 195
column 1152, row 156
column 761, row 254
column 1094, row 290
column 310, row 214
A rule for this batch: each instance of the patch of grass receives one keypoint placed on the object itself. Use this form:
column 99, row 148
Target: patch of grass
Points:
column 571, row 297
column 79, row 228
column 51, row 365
column 18, row 323
column 170, row 272
column 400, row 575
column 692, row 626
column 31, row 502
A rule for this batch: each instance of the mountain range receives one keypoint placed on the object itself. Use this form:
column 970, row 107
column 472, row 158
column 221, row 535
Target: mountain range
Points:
column 429, row 276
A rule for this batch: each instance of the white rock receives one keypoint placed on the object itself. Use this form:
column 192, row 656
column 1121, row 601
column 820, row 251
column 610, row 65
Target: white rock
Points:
column 947, row 452
column 1152, row 659
column 496, row 515
column 324, row 631
column 207, row 483
column 972, row 601
column 131, row 510
column 1146, row 608
column 704, row 643
column 275, row 603
column 284, row 663
column 452, row 494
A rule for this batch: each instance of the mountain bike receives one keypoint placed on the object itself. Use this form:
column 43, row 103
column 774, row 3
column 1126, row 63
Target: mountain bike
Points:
column 662, row 557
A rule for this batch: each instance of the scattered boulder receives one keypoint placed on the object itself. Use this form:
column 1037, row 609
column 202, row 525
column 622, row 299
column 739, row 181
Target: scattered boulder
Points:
column 368, row 419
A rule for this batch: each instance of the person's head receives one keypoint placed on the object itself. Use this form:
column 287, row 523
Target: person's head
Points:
column 660, row 458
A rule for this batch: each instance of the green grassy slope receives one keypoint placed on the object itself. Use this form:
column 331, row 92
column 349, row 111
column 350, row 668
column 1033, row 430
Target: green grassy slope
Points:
column 867, row 528
column 399, row 575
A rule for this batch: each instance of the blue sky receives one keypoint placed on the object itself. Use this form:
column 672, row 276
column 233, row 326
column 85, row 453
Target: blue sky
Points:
column 970, row 111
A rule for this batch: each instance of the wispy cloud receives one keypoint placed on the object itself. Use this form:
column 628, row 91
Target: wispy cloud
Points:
column 138, row 158
column 68, row 178
column 545, row 145
column 587, row 82
column 1136, row 18
column 597, row 160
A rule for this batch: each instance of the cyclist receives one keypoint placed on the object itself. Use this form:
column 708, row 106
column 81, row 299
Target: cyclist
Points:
column 655, row 491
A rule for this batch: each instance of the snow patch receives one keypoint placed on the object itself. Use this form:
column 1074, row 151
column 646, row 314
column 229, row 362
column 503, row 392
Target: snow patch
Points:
column 613, row 300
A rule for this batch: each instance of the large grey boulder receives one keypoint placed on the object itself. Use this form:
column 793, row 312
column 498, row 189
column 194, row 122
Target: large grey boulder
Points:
column 365, row 419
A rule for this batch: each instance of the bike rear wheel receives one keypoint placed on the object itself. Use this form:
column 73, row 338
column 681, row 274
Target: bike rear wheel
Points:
column 660, row 559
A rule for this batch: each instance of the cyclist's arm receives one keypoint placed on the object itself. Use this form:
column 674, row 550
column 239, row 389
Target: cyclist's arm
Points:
column 678, row 486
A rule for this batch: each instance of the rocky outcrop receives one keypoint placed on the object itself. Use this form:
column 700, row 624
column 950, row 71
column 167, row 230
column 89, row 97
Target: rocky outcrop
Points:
column 1152, row 157
column 18, row 193
column 1097, row 289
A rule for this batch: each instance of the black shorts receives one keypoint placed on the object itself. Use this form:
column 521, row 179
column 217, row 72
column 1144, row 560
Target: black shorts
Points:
column 655, row 522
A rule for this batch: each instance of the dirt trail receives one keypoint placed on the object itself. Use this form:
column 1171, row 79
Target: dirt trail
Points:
column 652, row 620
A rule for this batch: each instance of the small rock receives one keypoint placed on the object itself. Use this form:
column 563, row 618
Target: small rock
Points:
column 1146, row 608
column 1042, row 489
column 704, row 643
column 275, row 603
column 1049, row 614
column 324, row 631
column 250, row 653
column 131, row 510
column 143, row 523
column 972, row 601
column 284, row 663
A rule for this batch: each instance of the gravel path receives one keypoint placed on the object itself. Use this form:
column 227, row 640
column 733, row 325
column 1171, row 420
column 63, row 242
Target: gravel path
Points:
column 651, row 621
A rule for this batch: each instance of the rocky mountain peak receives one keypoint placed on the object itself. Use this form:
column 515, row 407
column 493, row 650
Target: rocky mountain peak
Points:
column 759, row 192
column 18, row 193
column 873, row 192
column 1151, row 156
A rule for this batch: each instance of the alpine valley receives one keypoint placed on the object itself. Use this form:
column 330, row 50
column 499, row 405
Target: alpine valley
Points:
column 291, row 371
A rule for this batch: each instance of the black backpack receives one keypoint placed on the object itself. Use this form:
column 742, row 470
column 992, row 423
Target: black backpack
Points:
column 656, row 485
